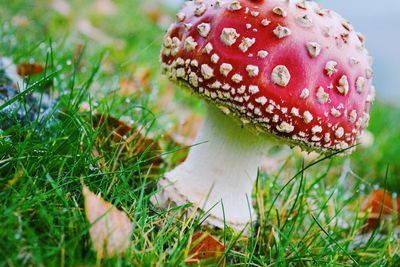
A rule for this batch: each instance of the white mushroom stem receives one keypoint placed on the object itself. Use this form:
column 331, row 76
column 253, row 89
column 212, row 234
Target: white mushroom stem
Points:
column 221, row 166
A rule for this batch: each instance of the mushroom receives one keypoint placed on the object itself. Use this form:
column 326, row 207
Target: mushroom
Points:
column 270, row 71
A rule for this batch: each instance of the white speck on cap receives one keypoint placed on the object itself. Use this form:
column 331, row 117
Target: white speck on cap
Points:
column 190, row 44
column 307, row 117
column 188, row 26
column 285, row 127
column 279, row 11
column 237, row 78
column 218, row 3
column 194, row 63
column 322, row 96
column 175, row 46
column 314, row 49
column 270, row 109
column 316, row 129
column 335, row 113
column 304, row 21
column 214, row 58
column 353, row 116
column 204, row 29
column 193, row 79
column 305, row 93
column 180, row 16
column 208, row 48
column 261, row 100
column 207, row 71
column 294, row 111
column 339, row 132
column 235, row 6
column 200, row 10
column 354, row 61
column 330, row 67
column 302, row 5
column 327, row 137
column 253, row 89
column 225, row 68
column 246, row 43
column 343, row 87
column 360, row 84
column 229, row 36
column 252, row 70
column 282, row 32
column 280, row 75
column 215, row 85
column 180, row 73
column 265, row 22
column 262, row 54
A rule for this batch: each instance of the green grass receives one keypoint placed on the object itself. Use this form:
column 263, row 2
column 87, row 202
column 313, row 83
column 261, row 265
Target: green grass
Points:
column 309, row 214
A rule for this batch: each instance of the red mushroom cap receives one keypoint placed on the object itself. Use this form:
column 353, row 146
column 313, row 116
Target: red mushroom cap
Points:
column 290, row 68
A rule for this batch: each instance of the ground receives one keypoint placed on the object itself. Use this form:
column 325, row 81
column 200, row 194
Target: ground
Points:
column 101, row 69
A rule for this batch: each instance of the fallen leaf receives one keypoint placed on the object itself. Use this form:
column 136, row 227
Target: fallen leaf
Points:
column 377, row 201
column 110, row 229
column 117, row 128
column 130, row 144
column 206, row 250
column 29, row 69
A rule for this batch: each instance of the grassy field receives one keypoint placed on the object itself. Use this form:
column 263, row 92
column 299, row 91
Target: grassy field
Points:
column 101, row 62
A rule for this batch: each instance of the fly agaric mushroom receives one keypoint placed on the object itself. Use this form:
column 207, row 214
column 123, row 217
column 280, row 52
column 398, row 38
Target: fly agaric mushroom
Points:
column 270, row 70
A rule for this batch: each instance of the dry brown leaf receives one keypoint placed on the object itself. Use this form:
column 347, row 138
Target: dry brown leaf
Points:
column 380, row 200
column 130, row 143
column 111, row 228
column 29, row 69
column 113, row 126
column 206, row 249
